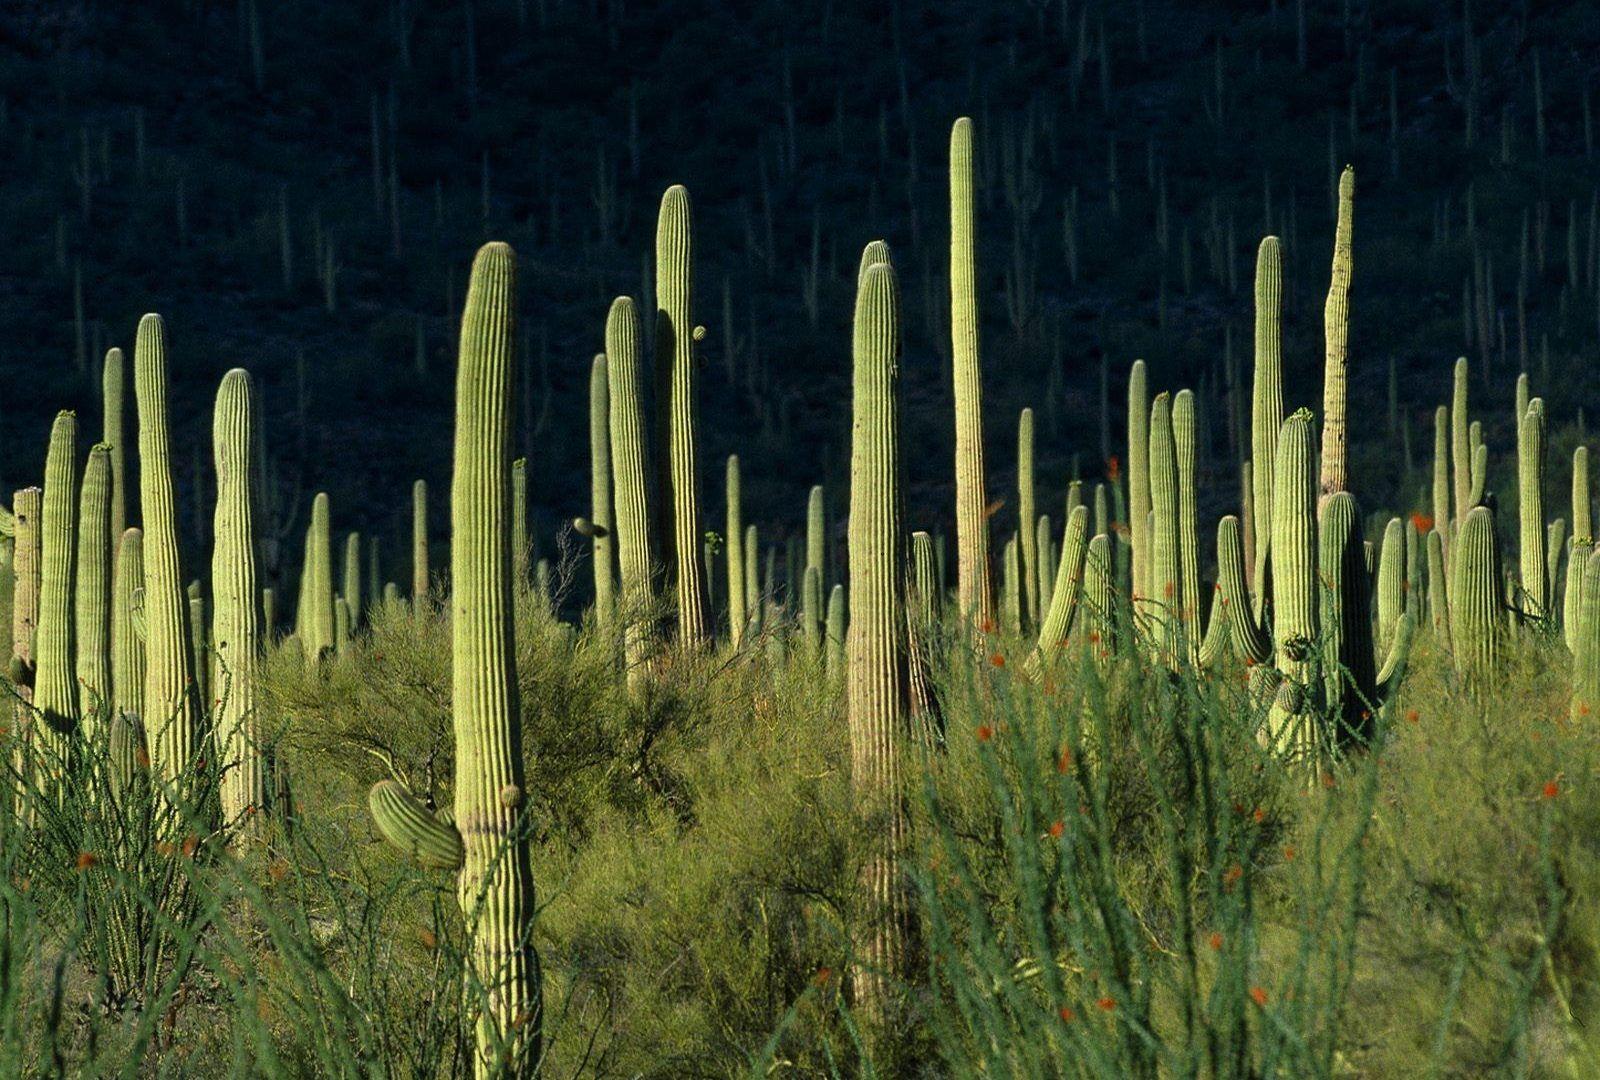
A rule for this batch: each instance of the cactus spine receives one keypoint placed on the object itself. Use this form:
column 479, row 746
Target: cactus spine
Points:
column 737, row 612
column 1027, row 529
column 236, row 629
column 1266, row 406
column 419, row 543
column 1530, row 513
column 1336, row 329
column 55, row 685
column 630, row 484
column 974, row 587
column 605, row 557
column 112, row 392
column 92, row 605
column 675, row 355
column 877, row 677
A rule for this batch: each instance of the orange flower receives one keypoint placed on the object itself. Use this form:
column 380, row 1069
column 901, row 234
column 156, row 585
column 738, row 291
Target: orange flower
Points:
column 1057, row 828
column 429, row 939
column 1215, row 941
column 1107, row 1003
column 1327, row 780
column 1288, row 853
column 985, row 732
column 141, row 758
column 1232, row 874
column 987, row 626
column 1258, row 815
column 1259, row 996
column 822, row 976
column 1423, row 522
column 1551, row 789
column 87, row 859
column 1064, row 760
column 1066, row 1014
column 1412, row 716
column 997, row 660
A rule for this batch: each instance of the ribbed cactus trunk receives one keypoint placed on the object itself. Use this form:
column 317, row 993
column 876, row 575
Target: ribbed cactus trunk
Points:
column 92, row 604
column 521, row 542
column 199, row 646
column 350, row 580
column 817, row 529
column 1349, row 665
column 1391, row 579
column 630, row 482
column 1534, row 564
column 1438, row 585
column 55, row 684
column 1586, row 637
column 1582, row 520
column 1166, row 599
column 1266, row 408
column 605, row 541
column 753, row 592
column 235, row 594
column 1184, row 444
column 1027, row 522
column 317, row 624
column 1460, row 449
column 495, row 887
column 674, row 342
column 1139, row 483
column 737, row 611
column 974, row 586
column 419, row 544
column 836, row 633
column 113, row 397
column 877, row 676
column 1477, row 601
column 1290, row 724
column 127, row 640
column 1336, row 330
column 1441, row 468
column 26, row 511
column 1057, row 622
column 171, row 716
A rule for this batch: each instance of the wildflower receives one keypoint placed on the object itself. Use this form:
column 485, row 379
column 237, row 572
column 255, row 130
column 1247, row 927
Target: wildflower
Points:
column 1064, row 760
column 141, row 758
column 1066, row 1014
column 1412, row 716
column 987, row 626
column 1258, row 815
column 278, row 869
column 1423, row 522
column 1215, row 941
column 1288, row 853
column 190, row 843
column 1327, row 780
column 1551, row 789
column 997, row 660
column 1057, row 828
column 429, row 939
column 822, row 976
column 1231, row 875
column 985, row 732
column 1259, row 996
column 86, row 859
column 1107, row 1003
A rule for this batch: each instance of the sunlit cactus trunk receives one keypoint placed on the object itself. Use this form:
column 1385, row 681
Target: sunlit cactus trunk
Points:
column 419, row 545
column 630, row 486
column 1290, row 726
column 113, row 383
column 55, row 686
column 605, row 541
column 737, row 611
column 1534, row 565
column 1336, row 330
column 127, row 633
column 236, row 625
column 974, row 585
column 1266, row 408
column 92, row 604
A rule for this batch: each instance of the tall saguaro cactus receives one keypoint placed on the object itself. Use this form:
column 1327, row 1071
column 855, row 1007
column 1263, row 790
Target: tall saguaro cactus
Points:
column 1536, row 588
column 55, row 685
column 1460, row 447
column 1027, row 528
column 317, row 622
column 630, row 484
column 1139, row 479
column 236, row 620
column 1294, row 585
column 1477, row 599
column 605, row 558
column 1336, row 328
column 674, row 341
column 877, row 670
column 170, row 719
column 127, row 642
column 92, row 606
column 419, row 543
column 735, row 528
column 113, row 380
column 974, row 586
column 1266, row 405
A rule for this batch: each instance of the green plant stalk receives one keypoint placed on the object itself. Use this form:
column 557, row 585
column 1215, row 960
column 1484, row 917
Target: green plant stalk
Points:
column 1058, row 620
column 350, row 580
column 316, row 634
column 521, row 543
column 1438, row 585
column 1581, row 521
column 752, row 578
column 1350, row 679
column 836, row 633
column 1572, row 600
column 1586, row 654
column 1183, row 438
column 1441, row 469
column 199, row 647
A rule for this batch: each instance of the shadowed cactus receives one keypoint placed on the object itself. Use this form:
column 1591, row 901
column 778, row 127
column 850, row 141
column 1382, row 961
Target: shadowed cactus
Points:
column 605, row 559
column 127, row 641
column 113, row 398
column 1058, row 619
column 419, row 544
column 1586, row 640
column 1139, row 483
column 1027, row 527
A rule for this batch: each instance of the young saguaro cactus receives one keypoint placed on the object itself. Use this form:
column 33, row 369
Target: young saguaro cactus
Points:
column 170, row 718
column 1027, row 514
column 737, row 612
column 236, row 630
column 674, row 340
column 1184, row 444
column 1441, row 467
column 1336, row 329
column 495, row 879
column 1166, row 598
column 631, row 505
column 1530, row 513
column 1266, row 405
column 92, row 604
column 605, row 557
column 974, row 586
column 1460, row 445
column 1586, row 639
column 877, row 671
column 317, row 624
column 1057, row 622
column 55, row 685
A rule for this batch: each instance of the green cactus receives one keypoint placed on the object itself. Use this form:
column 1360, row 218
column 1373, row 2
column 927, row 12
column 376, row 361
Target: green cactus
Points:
column 1266, row 406
column 1441, row 468
column 738, row 616
column 113, row 404
column 237, row 624
column 1460, row 445
column 1477, row 606
column 1069, row 583
column 1572, row 601
column 1165, row 586
column 811, row 608
column 55, row 685
column 1438, row 585
column 92, row 604
column 836, row 633
column 676, row 374
column 635, row 562
column 1415, row 567
column 817, row 530
column 127, row 645
column 1581, row 520
column 199, row 646
column 495, row 880
column 350, row 578
column 316, row 624
column 341, row 626
column 1391, row 580
column 1183, row 438
column 1027, row 528
column 1138, row 509
column 1010, row 587
column 974, row 587
column 170, row 718
column 521, row 542
column 1294, row 587
column 1045, row 545
column 877, row 677
column 1099, row 597
column 1530, row 513
column 420, row 578
column 925, row 595
column 26, row 560
column 1350, row 681
column 1480, row 470
column 753, row 593
column 604, row 554
column 411, row 827
column 1555, row 541
column 1586, row 641
column 1336, row 329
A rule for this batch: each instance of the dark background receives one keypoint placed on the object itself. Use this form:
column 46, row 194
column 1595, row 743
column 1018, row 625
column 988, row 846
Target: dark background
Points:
column 803, row 129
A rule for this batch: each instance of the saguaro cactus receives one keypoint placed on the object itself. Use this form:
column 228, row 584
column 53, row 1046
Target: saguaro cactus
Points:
column 605, row 557
column 127, row 640
column 317, row 624
column 55, row 685
column 1336, row 328
column 1266, row 406
column 1184, row 445
column 1349, row 676
column 737, row 616
column 26, row 558
column 1461, row 445
column 1441, row 466
column 877, row 677
column 834, row 665
column 92, row 606
column 1530, row 513
column 974, row 586
column 674, row 340
column 1166, row 599
column 1290, row 725
column 1477, row 604
column 630, row 486
column 170, row 718
column 113, row 402
column 350, row 579
column 817, row 530
column 1586, row 640
column 1027, row 515
column 1139, row 480
column 236, row 631
column 419, row 543
column 1064, row 596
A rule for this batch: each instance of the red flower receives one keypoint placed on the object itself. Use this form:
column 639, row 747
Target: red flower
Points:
column 822, row 976
column 1551, row 789
column 87, row 859
column 985, row 732
column 987, row 626
column 1215, row 941
column 1107, row 1003
column 1066, row 1014
column 1288, row 853
column 997, row 660
column 429, row 939
column 1259, row 996
column 1423, row 522
column 1057, row 828
column 1064, row 760
column 1231, row 875
column 1412, row 716
column 1259, row 815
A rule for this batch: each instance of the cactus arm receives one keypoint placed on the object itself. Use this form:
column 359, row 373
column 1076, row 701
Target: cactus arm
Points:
column 1064, row 596
column 1249, row 635
column 411, row 828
